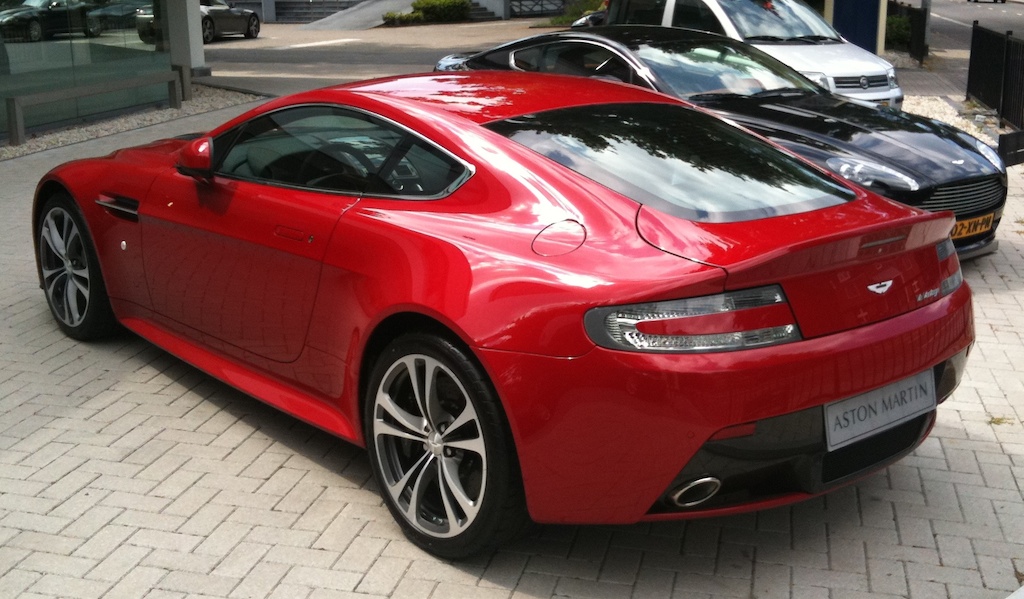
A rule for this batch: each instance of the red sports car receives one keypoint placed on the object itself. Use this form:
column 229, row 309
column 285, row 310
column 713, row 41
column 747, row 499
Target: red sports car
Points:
column 526, row 295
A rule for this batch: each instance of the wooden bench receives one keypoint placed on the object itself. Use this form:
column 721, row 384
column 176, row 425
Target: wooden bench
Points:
column 16, row 103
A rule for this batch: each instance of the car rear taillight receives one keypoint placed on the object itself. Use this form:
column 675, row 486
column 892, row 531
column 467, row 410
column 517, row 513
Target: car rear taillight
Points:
column 946, row 252
column 729, row 321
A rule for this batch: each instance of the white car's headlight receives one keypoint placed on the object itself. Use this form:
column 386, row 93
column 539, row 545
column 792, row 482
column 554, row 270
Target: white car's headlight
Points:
column 819, row 78
column 871, row 174
column 893, row 82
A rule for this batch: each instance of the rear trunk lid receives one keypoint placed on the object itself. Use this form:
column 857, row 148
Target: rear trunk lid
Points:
column 840, row 268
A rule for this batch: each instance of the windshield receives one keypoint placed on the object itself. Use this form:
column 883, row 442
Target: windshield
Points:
column 677, row 160
column 709, row 67
column 785, row 20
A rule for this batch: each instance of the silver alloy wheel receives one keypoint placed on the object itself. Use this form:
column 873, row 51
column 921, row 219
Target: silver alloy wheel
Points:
column 253, row 29
column 65, row 267
column 429, row 446
column 208, row 30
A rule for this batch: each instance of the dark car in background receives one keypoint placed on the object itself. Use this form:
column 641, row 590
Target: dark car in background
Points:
column 118, row 14
column 219, row 18
column 36, row 20
column 915, row 160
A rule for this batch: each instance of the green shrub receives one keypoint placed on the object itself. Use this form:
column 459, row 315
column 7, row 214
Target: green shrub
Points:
column 442, row 11
column 574, row 10
column 397, row 19
column 897, row 32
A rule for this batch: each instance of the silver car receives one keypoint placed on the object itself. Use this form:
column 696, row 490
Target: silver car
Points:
column 789, row 30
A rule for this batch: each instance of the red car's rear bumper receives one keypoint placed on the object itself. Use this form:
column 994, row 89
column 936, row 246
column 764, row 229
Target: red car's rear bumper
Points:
column 604, row 437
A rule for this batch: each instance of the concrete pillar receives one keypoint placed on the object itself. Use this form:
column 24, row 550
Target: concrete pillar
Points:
column 269, row 11
column 184, row 34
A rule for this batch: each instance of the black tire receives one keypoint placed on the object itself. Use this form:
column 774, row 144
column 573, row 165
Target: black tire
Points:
column 70, row 272
column 445, row 464
column 252, row 28
column 209, row 31
column 93, row 27
column 34, row 31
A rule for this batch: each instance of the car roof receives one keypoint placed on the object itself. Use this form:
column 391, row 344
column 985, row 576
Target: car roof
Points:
column 636, row 35
column 487, row 96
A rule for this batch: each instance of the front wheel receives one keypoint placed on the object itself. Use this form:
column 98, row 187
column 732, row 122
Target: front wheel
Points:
column 441, row 450
column 93, row 27
column 252, row 28
column 70, row 272
column 208, row 30
column 35, row 31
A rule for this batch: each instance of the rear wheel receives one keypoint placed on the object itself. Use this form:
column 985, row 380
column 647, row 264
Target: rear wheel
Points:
column 441, row 450
column 70, row 272
column 252, row 28
column 35, row 31
column 93, row 27
column 208, row 30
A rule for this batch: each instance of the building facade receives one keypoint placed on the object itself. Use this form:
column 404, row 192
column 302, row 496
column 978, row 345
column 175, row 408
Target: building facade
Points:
column 58, row 57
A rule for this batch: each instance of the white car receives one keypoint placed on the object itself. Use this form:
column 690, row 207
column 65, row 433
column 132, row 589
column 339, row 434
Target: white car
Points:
column 789, row 30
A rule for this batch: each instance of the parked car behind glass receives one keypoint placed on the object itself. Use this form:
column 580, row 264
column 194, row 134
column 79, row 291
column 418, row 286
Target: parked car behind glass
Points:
column 36, row 20
column 219, row 18
column 917, row 161
column 118, row 14
column 789, row 30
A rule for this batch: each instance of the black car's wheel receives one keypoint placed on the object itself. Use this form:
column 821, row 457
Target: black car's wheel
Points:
column 70, row 272
column 208, row 30
column 93, row 27
column 252, row 28
column 35, row 31
column 441, row 450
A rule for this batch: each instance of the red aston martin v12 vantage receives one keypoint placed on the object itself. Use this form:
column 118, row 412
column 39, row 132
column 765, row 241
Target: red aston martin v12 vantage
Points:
column 528, row 296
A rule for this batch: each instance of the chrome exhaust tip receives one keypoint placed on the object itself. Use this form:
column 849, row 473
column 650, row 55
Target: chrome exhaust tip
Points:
column 695, row 492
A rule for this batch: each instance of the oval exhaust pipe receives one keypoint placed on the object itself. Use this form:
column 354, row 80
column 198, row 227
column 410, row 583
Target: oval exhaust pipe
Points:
column 695, row 492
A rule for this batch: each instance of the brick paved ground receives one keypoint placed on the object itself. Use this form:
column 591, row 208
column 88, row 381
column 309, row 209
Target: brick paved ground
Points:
column 126, row 473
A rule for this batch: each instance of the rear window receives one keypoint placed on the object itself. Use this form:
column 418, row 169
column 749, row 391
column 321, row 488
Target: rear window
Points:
column 677, row 160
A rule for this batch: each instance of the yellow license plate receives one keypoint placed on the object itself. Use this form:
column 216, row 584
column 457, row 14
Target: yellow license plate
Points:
column 973, row 226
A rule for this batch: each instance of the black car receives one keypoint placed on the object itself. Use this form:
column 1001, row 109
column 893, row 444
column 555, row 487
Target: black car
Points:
column 219, row 18
column 36, row 20
column 118, row 14
column 915, row 160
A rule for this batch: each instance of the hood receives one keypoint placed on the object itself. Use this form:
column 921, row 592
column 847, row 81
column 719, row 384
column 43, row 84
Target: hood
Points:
column 827, row 261
column 834, row 59
column 819, row 127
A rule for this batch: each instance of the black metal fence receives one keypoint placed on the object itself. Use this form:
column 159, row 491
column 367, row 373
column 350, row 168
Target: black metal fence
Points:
column 994, row 73
column 916, row 45
column 536, row 8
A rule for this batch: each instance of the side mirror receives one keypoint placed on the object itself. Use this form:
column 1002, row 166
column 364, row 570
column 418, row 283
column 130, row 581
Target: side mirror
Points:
column 195, row 159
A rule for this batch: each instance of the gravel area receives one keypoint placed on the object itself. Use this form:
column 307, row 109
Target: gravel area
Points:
column 205, row 99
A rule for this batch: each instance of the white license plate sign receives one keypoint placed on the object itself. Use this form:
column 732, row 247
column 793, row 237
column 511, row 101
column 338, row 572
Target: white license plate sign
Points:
column 856, row 418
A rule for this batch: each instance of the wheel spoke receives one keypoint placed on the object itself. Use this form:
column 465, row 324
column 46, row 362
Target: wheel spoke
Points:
column 423, row 473
column 52, row 238
column 415, row 426
column 71, row 301
column 385, row 429
column 452, row 489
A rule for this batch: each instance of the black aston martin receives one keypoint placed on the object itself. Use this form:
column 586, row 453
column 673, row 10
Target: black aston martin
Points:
column 915, row 160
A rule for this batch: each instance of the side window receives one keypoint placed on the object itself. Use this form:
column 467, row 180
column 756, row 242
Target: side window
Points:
column 641, row 12
column 333, row 149
column 579, row 59
column 528, row 59
column 694, row 14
